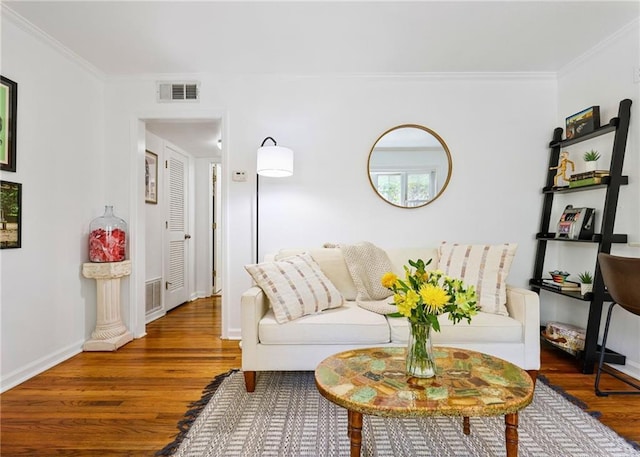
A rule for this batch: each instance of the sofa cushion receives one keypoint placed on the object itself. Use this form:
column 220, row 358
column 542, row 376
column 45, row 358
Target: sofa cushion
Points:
column 485, row 267
column 386, row 306
column 348, row 324
column 295, row 286
column 484, row 328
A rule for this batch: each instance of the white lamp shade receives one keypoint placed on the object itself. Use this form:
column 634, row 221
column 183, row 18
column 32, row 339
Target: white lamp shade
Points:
column 275, row 161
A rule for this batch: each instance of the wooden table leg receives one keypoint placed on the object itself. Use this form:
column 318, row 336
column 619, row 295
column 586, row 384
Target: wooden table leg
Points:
column 466, row 426
column 355, row 432
column 511, row 434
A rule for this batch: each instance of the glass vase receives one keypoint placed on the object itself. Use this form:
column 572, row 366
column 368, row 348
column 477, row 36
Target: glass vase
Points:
column 107, row 238
column 420, row 361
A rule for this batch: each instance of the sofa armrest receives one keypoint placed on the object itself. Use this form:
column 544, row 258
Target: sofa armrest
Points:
column 524, row 306
column 254, row 304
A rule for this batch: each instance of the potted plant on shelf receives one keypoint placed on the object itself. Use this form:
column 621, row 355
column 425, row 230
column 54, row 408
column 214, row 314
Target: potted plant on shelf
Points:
column 586, row 282
column 591, row 160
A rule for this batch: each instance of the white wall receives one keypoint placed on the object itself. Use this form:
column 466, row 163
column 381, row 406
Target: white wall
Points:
column 603, row 78
column 202, row 228
column 154, row 221
column 47, row 307
column 331, row 124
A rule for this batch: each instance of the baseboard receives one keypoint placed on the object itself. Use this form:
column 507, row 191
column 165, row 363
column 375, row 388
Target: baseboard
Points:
column 233, row 334
column 32, row 369
column 154, row 315
column 631, row 368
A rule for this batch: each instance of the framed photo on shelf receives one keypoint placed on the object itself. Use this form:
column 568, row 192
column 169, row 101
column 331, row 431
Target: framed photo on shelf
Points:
column 150, row 177
column 10, row 215
column 586, row 121
column 8, row 119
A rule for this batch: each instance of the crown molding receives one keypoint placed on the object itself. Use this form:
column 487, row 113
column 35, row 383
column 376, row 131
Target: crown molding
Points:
column 599, row 47
column 33, row 30
column 427, row 76
column 422, row 76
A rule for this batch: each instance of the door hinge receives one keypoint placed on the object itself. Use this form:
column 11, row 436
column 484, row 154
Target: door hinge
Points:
column 213, row 273
column 166, row 164
column 214, row 226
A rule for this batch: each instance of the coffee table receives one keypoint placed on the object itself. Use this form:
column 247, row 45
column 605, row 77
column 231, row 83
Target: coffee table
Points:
column 467, row 384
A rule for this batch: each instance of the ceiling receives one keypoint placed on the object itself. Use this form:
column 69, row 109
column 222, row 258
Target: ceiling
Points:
column 199, row 138
column 128, row 38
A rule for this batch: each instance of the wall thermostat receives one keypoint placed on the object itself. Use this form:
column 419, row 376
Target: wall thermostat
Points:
column 240, row 176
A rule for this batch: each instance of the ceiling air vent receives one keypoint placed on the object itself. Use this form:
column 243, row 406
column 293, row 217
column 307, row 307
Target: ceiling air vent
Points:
column 178, row 91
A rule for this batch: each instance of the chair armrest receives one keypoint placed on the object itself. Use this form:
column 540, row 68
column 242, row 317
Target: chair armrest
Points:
column 524, row 306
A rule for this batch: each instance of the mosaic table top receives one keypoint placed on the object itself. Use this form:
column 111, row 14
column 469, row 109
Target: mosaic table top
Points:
column 467, row 383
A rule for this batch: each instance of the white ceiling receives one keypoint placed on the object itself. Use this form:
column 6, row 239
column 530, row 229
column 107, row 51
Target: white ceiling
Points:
column 199, row 138
column 121, row 38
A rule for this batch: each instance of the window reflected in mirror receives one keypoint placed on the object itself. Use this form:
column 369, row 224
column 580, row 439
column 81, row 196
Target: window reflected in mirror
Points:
column 409, row 166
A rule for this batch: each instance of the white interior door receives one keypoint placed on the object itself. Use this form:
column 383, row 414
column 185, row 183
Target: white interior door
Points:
column 177, row 239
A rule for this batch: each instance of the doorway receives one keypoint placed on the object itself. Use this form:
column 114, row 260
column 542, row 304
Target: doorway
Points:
column 179, row 232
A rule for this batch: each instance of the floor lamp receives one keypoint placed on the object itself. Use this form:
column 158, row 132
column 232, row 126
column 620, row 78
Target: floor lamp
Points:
column 275, row 162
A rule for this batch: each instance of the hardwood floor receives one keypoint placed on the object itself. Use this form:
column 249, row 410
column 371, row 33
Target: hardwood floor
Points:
column 128, row 403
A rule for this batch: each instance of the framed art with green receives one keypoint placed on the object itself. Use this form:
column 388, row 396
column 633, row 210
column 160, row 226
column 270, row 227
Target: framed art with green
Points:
column 8, row 120
column 10, row 215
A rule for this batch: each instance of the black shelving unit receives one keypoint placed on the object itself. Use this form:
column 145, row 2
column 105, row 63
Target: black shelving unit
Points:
column 619, row 126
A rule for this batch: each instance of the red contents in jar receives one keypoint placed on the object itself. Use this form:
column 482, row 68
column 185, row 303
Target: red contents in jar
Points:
column 107, row 246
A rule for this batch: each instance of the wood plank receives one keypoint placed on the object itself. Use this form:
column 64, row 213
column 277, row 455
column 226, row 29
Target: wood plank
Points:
column 129, row 402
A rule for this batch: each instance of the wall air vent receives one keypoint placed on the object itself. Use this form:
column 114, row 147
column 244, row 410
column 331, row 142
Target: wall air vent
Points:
column 152, row 290
column 178, row 91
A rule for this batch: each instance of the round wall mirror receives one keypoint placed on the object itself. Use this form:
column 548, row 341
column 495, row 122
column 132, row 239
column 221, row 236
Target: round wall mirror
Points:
column 409, row 166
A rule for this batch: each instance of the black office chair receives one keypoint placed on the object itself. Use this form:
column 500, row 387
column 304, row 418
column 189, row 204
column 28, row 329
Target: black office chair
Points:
column 621, row 275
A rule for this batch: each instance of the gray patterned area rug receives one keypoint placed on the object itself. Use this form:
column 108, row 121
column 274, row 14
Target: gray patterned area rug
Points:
column 287, row 417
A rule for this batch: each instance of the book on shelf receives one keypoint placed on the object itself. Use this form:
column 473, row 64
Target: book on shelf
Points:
column 589, row 174
column 567, row 286
column 585, row 182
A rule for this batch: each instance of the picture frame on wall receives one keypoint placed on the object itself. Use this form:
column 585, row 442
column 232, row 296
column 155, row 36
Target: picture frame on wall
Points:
column 151, row 178
column 10, row 215
column 8, row 120
column 586, row 121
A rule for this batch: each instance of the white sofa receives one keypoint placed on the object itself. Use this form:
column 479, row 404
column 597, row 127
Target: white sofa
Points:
column 302, row 343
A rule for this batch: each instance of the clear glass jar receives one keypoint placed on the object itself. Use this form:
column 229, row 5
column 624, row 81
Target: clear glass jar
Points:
column 107, row 238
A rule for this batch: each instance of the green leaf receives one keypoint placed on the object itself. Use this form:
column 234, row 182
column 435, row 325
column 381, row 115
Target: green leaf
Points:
column 433, row 320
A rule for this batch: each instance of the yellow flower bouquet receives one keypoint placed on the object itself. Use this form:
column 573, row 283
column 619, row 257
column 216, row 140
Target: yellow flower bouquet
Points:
column 421, row 297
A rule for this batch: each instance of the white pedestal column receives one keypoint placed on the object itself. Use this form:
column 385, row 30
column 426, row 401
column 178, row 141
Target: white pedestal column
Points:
column 110, row 332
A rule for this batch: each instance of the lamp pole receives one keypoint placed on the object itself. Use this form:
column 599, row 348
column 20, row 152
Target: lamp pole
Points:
column 274, row 161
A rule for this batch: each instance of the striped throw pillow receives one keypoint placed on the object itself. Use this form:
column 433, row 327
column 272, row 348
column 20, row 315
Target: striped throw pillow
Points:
column 295, row 286
column 486, row 267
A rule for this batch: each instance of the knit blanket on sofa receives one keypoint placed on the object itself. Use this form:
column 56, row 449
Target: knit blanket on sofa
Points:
column 366, row 264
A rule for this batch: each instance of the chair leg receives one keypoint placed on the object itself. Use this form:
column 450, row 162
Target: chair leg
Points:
column 599, row 393
column 600, row 370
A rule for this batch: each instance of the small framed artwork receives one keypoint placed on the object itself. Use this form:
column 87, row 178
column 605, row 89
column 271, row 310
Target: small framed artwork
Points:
column 150, row 177
column 8, row 119
column 10, row 215
column 586, row 121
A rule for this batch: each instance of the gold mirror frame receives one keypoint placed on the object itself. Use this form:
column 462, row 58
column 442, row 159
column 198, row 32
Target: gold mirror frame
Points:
column 439, row 189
